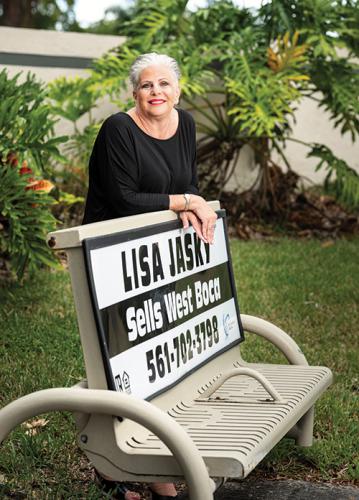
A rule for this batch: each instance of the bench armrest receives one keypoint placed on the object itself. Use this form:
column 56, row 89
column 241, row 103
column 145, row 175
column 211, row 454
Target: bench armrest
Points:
column 276, row 336
column 117, row 404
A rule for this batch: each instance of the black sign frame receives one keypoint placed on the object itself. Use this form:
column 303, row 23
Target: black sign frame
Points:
column 96, row 242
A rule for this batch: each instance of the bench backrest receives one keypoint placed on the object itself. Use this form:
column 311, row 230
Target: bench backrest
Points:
column 154, row 303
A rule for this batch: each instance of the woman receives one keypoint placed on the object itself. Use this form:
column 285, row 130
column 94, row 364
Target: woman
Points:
column 143, row 161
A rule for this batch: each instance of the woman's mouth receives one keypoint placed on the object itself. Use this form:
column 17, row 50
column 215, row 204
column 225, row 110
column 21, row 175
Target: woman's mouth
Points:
column 156, row 101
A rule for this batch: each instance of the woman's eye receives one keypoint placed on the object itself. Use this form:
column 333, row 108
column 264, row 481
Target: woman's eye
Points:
column 164, row 84
column 145, row 86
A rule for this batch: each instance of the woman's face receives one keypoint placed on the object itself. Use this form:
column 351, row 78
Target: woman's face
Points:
column 157, row 91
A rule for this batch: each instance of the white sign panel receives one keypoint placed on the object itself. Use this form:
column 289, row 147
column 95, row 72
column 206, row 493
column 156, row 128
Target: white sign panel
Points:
column 164, row 303
column 130, row 268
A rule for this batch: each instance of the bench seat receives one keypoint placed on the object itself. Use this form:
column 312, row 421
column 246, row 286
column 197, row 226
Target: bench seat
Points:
column 234, row 428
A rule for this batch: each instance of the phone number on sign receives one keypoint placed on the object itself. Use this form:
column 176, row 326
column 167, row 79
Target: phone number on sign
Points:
column 164, row 357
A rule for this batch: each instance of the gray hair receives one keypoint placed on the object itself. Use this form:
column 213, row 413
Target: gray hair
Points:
column 150, row 59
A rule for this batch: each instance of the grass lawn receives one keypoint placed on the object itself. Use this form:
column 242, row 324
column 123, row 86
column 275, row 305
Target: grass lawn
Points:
column 308, row 288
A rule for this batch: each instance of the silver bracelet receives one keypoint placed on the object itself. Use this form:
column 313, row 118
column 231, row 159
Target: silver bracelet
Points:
column 187, row 198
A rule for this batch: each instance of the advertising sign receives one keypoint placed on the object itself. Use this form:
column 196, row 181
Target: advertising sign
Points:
column 164, row 303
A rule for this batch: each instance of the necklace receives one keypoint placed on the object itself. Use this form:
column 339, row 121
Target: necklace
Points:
column 149, row 132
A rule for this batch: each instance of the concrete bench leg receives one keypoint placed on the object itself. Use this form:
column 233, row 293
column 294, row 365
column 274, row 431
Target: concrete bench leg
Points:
column 302, row 432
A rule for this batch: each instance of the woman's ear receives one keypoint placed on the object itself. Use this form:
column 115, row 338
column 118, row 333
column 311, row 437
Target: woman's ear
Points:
column 134, row 95
column 178, row 95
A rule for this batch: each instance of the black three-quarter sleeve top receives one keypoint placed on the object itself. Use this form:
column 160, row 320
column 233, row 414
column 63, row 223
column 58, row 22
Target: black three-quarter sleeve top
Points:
column 131, row 172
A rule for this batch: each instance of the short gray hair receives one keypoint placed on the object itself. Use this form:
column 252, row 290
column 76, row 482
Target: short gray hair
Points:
column 151, row 59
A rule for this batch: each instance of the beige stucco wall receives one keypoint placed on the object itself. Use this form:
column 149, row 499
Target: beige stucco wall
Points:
column 311, row 123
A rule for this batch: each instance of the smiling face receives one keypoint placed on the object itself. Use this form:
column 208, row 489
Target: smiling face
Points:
column 157, row 91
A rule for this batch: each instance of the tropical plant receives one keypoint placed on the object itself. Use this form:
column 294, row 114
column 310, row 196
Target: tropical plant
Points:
column 26, row 124
column 73, row 99
column 25, row 218
column 27, row 146
column 340, row 177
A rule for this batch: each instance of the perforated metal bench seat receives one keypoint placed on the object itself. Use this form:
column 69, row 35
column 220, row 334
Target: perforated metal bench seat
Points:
column 239, row 425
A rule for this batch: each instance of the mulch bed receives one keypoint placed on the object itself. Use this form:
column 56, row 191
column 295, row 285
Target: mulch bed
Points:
column 288, row 210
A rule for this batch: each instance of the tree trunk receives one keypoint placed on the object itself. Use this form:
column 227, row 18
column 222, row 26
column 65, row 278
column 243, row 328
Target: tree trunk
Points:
column 18, row 13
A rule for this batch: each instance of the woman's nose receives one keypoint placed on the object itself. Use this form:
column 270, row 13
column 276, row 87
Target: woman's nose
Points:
column 155, row 89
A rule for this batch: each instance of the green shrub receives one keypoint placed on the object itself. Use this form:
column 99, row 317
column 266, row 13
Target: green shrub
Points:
column 71, row 99
column 25, row 220
column 27, row 147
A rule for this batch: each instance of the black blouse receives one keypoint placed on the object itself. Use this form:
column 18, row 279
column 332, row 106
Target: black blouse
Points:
column 131, row 172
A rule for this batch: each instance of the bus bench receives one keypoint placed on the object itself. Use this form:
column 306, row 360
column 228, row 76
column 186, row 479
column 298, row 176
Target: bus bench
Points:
column 168, row 396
